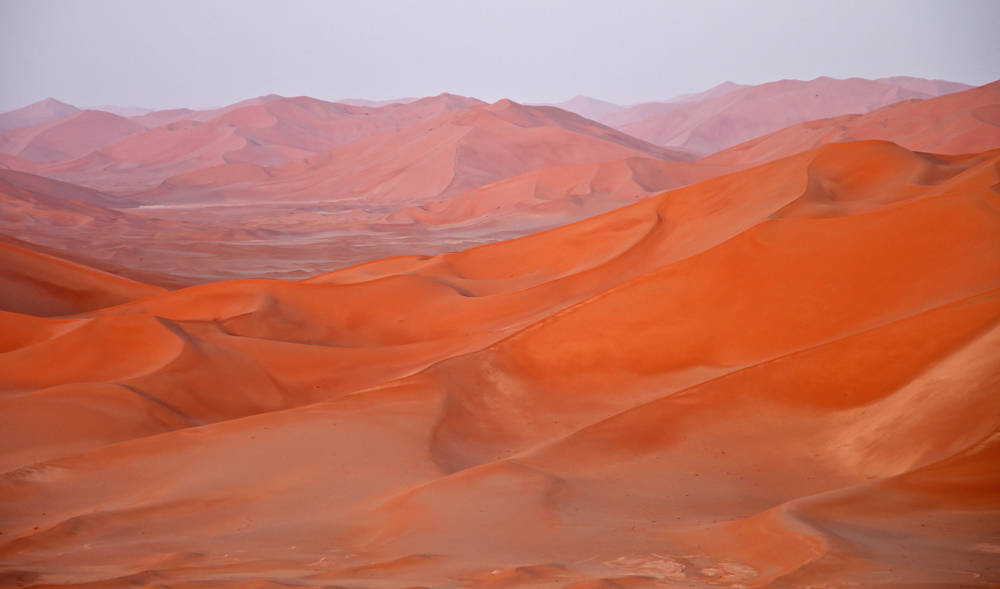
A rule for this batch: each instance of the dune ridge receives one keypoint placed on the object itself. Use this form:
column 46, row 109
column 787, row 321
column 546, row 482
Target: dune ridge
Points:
column 963, row 122
column 744, row 113
column 412, row 191
column 781, row 376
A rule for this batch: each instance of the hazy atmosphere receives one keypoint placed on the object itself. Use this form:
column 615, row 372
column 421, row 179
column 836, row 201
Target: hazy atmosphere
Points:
column 202, row 54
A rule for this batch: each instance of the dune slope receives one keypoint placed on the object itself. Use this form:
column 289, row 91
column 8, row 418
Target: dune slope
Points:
column 262, row 132
column 964, row 122
column 743, row 114
column 784, row 376
column 48, row 109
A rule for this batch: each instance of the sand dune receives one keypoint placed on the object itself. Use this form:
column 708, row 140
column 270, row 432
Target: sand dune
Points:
column 589, row 108
column 264, row 132
column 779, row 377
column 638, row 112
column 443, row 156
column 964, row 122
column 554, row 196
column 746, row 113
column 42, row 111
column 69, row 137
column 37, row 284
column 376, row 103
column 161, row 280
column 479, row 175
column 159, row 118
column 932, row 87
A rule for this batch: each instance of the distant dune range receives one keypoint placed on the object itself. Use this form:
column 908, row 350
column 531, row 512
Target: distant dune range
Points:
column 431, row 175
column 783, row 376
column 723, row 121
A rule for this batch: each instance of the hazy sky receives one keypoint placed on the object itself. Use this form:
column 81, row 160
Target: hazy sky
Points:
column 201, row 53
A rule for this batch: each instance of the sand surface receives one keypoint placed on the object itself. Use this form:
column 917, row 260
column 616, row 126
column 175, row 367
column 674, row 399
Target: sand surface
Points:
column 964, row 122
column 785, row 376
column 438, row 174
column 774, row 367
column 745, row 113
column 49, row 109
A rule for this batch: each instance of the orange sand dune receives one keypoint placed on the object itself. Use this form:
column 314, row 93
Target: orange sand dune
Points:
column 267, row 133
column 34, row 283
column 274, row 240
column 555, row 196
column 965, row 122
column 478, row 175
column 49, row 109
column 69, row 137
column 438, row 158
column 165, row 281
column 746, row 113
column 784, row 376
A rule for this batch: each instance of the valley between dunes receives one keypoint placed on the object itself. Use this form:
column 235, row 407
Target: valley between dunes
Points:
column 775, row 365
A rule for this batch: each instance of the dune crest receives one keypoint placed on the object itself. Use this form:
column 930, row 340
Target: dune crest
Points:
column 781, row 376
column 745, row 113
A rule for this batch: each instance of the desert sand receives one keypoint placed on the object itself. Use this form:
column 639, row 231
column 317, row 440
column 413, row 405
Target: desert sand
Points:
column 708, row 126
column 42, row 111
column 964, row 122
column 729, row 373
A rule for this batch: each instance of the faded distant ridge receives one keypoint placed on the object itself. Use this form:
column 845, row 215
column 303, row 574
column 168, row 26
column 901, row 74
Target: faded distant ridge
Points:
column 49, row 109
column 953, row 124
column 743, row 114
column 589, row 108
column 932, row 87
column 639, row 112
column 376, row 103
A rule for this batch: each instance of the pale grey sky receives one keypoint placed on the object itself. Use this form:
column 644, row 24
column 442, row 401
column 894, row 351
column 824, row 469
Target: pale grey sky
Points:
column 200, row 53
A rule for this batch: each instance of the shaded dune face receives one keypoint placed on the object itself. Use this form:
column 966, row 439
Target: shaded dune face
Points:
column 785, row 376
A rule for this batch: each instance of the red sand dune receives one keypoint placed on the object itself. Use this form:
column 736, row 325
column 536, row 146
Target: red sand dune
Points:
column 159, row 118
column 399, row 192
column 37, row 284
column 554, row 196
column 965, row 122
column 69, row 137
column 157, row 279
column 42, row 111
column 440, row 157
column 780, row 377
column 741, row 115
column 265, row 132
